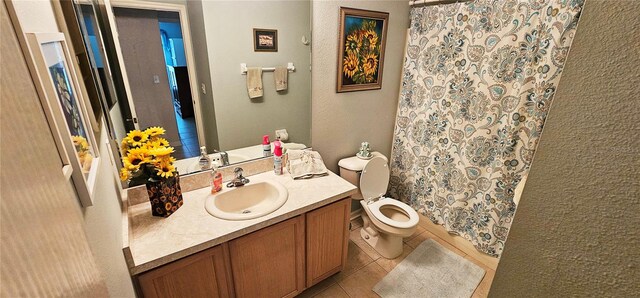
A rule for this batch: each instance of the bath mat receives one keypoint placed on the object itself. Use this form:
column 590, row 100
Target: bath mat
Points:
column 431, row 271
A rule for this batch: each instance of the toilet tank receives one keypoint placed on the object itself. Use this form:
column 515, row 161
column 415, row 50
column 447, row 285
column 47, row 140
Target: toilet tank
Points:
column 350, row 169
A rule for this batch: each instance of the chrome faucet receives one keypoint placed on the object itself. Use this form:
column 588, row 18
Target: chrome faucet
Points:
column 239, row 180
column 224, row 157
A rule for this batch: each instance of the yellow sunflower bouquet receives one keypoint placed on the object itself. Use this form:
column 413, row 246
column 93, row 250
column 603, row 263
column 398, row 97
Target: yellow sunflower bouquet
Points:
column 147, row 154
column 361, row 53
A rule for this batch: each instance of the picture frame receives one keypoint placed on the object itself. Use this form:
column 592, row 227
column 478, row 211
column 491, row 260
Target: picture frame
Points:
column 361, row 46
column 66, row 110
column 265, row 40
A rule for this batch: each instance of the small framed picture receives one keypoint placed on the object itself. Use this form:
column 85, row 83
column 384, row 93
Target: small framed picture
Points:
column 265, row 40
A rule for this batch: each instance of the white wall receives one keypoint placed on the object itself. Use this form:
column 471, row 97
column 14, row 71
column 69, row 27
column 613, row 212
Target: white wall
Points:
column 341, row 121
column 229, row 26
column 116, row 120
column 103, row 226
column 35, row 15
column 201, row 55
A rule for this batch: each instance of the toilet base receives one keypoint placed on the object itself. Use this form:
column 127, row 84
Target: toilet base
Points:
column 388, row 246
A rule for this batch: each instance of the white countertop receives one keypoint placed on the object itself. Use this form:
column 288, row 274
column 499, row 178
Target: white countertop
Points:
column 155, row 241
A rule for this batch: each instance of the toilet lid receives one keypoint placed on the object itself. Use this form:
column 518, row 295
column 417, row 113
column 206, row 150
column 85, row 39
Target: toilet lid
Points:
column 374, row 178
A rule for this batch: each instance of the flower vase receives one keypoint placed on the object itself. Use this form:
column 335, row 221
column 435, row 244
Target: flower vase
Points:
column 140, row 179
column 165, row 195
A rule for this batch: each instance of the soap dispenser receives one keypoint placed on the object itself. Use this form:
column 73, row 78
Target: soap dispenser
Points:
column 204, row 161
column 216, row 178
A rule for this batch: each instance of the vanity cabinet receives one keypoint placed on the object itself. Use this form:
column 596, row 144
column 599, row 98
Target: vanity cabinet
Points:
column 205, row 274
column 327, row 240
column 280, row 260
column 270, row 262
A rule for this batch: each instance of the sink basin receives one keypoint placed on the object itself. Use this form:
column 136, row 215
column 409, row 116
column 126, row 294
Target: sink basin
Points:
column 246, row 202
column 236, row 158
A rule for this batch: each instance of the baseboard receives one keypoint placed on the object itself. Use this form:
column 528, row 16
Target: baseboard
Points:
column 458, row 242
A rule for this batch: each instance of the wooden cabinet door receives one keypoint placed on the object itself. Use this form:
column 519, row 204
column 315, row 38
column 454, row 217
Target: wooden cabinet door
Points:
column 205, row 274
column 327, row 239
column 270, row 262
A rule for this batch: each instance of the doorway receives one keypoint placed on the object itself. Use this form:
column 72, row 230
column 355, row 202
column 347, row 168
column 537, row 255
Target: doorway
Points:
column 159, row 75
column 178, row 74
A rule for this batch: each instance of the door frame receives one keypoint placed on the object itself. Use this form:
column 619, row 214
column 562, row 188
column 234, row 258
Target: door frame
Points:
column 188, row 48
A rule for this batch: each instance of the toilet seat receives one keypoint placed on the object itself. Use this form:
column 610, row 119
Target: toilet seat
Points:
column 374, row 181
column 408, row 211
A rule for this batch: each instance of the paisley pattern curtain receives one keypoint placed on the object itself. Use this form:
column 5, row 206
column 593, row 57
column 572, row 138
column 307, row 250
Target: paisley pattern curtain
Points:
column 479, row 78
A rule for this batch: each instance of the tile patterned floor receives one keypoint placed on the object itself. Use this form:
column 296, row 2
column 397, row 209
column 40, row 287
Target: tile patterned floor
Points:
column 188, row 137
column 365, row 267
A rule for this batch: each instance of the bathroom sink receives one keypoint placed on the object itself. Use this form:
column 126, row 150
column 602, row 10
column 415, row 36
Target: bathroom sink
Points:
column 246, row 202
column 236, row 158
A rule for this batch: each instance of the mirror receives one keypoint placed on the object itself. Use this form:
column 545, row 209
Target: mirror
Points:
column 179, row 65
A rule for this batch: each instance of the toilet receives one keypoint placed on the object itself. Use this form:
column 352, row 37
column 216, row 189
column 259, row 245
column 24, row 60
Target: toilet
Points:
column 385, row 220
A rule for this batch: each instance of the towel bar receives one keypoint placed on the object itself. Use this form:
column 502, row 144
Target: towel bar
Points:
column 243, row 68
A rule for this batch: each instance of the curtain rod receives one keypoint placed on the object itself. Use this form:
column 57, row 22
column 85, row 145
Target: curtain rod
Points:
column 434, row 2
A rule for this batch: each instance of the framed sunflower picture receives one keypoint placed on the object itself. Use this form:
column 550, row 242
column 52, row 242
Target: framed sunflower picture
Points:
column 361, row 44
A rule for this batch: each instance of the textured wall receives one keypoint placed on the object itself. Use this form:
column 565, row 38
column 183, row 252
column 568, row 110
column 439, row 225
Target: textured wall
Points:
column 576, row 230
column 44, row 251
column 341, row 121
column 100, row 225
column 229, row 25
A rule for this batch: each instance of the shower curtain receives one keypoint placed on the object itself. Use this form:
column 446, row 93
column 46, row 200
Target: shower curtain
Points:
column 478, row 81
